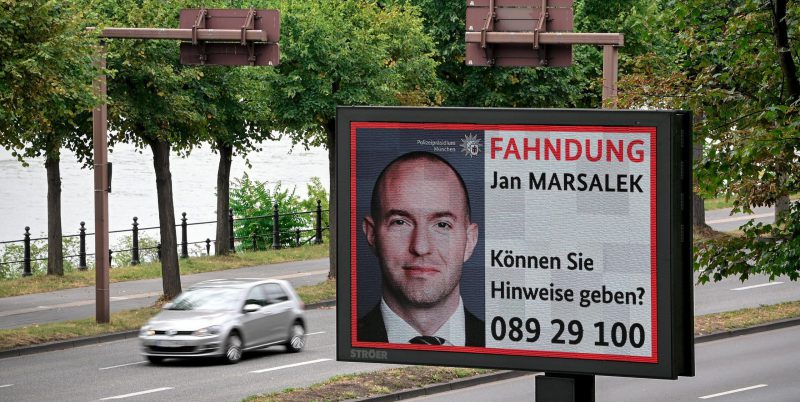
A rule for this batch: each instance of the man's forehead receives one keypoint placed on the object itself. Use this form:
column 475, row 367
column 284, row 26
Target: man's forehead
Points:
column 422, row 181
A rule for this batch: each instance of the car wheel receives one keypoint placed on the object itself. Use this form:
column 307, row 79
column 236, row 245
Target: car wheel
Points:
column 233, row 349
column 155, row 359
column 297, row 338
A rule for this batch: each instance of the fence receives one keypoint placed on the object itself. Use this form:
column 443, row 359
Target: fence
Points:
column 277, row 239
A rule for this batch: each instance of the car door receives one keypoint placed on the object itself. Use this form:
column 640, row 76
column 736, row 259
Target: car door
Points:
column 254, row 324
column 279, row 311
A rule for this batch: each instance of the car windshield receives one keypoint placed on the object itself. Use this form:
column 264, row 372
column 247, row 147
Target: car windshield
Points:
column 208, row 299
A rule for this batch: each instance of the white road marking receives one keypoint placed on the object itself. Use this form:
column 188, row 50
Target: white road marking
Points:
column 740, row 218
column 733, row 391
column 5, row 386
column 123, row 365
column 290, row 366
column 316, row 333
column 149, row 391
column 758, row 286
column 80, row 303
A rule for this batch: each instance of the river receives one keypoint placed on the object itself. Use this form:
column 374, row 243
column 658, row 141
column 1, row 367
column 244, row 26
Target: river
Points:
column 23, row 190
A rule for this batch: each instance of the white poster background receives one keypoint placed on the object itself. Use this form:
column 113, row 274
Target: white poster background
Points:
column 612, row 228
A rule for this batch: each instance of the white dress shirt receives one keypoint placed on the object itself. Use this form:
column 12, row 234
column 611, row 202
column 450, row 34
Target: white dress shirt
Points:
column 399, row 331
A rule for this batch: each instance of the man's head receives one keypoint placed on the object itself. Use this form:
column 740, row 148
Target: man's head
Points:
column 420, row 229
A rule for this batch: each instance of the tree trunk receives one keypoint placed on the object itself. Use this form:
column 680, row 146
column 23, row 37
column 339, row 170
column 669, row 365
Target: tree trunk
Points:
column 330, row 130
column 698, row 206
column 55, row 253
column 789, row 70
column 223, row 199
column 170, row 271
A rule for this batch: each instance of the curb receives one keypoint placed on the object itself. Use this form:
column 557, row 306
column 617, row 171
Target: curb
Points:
column 789, row 322
column 447, row 386
column 94, row 339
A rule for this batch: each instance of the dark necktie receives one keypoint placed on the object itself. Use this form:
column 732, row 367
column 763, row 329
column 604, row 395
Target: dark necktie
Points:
column 427, row 340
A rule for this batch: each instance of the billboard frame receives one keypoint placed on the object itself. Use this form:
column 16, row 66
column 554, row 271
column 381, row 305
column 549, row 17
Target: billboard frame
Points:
column 675, row 343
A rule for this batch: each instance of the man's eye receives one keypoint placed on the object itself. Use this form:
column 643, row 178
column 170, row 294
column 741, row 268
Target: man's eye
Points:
column 398, row 222
column 443, row 225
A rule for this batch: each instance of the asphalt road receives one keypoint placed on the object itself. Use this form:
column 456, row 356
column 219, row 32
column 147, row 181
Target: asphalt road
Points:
column 757, row 367
column 115, row 370
column 71, row 304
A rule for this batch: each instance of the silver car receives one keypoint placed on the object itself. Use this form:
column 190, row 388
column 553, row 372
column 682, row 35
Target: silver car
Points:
column 224, row 318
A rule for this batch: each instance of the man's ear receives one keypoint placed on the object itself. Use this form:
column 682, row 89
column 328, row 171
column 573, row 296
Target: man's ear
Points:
column 472, row 240
column 369, row 230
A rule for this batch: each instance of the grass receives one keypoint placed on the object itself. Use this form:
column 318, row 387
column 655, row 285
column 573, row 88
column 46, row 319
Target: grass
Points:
column 194, row 265
column 352, row 386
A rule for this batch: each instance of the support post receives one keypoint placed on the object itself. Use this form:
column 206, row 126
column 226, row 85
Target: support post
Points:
column 184, row 241
column 100, row 142
column 208, row 247
column 554, row 387
column 610, row 74
column 276, row 228
column 318, row 234
column 297, row 237
column 255, row 241
column 135, row 248
column 82, row 247
column 26, row 256
column 231, row 238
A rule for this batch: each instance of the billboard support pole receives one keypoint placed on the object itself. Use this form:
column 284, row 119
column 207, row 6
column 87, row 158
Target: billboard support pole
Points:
column 554, row 387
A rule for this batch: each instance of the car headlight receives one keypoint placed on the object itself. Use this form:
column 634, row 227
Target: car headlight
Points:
column 212, row 330
column 147, row 331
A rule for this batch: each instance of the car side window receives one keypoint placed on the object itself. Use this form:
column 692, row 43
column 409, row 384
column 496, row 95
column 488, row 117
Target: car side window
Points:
column 256, row 295
column 275, row 293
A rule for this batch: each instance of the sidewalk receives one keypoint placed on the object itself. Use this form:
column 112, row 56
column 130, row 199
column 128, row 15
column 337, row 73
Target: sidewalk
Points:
column 78, row 303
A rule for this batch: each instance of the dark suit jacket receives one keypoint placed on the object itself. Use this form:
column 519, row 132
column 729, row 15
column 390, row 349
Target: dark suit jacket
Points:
column 372, row 329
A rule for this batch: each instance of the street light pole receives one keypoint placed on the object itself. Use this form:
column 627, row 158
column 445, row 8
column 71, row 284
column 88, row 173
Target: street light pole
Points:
column 100, row 141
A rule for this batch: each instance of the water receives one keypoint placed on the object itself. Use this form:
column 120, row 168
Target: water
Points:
column 23, row 190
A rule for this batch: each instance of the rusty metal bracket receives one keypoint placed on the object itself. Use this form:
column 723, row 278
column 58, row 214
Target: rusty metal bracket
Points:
column 488, row 27
column 200, row 23
column 248, row 22
column 541, row 27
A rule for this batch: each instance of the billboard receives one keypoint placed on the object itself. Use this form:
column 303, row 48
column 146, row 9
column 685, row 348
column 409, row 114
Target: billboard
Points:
column 552, row 240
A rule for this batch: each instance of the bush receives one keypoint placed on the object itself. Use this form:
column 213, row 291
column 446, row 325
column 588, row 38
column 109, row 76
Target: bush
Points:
column 12, row 255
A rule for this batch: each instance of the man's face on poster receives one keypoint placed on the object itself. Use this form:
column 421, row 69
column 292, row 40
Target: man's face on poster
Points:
column 421, row 233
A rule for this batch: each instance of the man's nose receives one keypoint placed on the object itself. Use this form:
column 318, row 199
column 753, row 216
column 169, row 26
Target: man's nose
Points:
column 420, row 242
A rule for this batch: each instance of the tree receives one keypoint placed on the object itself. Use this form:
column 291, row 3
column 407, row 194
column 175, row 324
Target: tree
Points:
column 734, row 63
column 233, row 100
column 150, row 106
column 349, row 52
column 46, row 93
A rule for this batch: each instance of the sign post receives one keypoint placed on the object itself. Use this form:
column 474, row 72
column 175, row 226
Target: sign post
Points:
column 212, row 37
column 543, row 240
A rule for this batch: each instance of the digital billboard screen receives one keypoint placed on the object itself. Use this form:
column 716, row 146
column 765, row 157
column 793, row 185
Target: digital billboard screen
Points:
column 519, row 239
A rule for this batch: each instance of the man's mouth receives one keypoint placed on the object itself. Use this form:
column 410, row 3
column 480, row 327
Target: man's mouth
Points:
column 420, row 269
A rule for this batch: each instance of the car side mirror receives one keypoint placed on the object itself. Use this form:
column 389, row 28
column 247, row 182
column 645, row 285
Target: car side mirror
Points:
column 249, row 308
column 167, row 306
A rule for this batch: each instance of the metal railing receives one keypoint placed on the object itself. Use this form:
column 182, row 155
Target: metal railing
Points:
column 277, row 239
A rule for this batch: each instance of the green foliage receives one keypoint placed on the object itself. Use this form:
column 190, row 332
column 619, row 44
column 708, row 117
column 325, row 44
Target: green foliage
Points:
column 773, row 249
column 45, row 79
column 12, row 255
column 723, row 62
column 122, row 256
column 253, row 203
column 348, row 52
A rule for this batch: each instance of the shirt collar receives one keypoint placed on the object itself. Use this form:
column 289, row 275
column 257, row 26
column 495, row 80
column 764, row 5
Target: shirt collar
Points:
column 399, row 331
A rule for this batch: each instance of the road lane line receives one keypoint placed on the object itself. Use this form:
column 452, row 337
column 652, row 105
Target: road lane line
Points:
column 733, row 391
column 758, row 286
column 740, row 218
column 316, row 333
column 123, row 365
column 290, row 366
column 5, row 386
column 149, row 391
